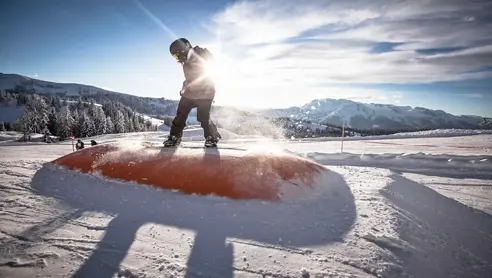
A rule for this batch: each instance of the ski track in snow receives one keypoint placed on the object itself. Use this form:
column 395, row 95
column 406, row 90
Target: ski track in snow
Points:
column 391, row 211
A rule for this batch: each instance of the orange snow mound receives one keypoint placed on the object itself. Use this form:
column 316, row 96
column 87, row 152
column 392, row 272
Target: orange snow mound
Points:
column 236, row 174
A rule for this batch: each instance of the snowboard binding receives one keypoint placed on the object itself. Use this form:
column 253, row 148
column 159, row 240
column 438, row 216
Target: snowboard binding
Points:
column 172, row 141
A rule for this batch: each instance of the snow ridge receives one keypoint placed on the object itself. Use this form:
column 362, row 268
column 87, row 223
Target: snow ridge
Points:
column 371, row 115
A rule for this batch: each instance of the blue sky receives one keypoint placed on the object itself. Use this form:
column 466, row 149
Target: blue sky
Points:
column 271, row 53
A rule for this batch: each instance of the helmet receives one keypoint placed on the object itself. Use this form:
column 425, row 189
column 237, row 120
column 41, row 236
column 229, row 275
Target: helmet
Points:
column 179, row 48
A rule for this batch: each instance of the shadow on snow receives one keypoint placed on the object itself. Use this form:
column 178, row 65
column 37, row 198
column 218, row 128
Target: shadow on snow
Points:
column 300, row 223
column 448, row 238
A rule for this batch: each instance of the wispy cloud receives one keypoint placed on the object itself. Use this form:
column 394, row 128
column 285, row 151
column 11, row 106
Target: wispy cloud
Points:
column 259, row 22
column 470, row 95
column 285, row 45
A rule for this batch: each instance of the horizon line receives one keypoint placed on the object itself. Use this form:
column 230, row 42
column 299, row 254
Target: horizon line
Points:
column 234, row 106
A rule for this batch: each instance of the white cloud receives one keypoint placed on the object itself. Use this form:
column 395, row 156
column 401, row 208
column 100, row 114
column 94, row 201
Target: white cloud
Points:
column 298, row 50
column 258, row 22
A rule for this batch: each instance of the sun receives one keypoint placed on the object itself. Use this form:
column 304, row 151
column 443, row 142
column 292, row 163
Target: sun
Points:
column 221, row 71
column 226, row 74
column 212, row 70
column 238, row 82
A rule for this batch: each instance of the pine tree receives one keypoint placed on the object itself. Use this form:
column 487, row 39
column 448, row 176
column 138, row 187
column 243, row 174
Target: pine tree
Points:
column 35, row 116
column 109, row 125
column 25, row 123
column 136, row 124
column 130, row 126
column 53, row 101
column 148, row 125
column 79, row 105
column 52, row 122
column 119, row 122
column 108, row 108
column 65, row 123
column 80, row 123
column 92, row 109
column 76, row 126
column 57, row 103
column 2, row 127
column 99, row 120
column 128, row 122
column 40, row 112
column 87, row 126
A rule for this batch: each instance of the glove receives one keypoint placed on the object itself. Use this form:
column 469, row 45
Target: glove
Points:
column 184, row 88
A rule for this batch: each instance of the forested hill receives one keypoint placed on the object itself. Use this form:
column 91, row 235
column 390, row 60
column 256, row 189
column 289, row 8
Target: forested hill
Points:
column 35, row 113
column 15, row 83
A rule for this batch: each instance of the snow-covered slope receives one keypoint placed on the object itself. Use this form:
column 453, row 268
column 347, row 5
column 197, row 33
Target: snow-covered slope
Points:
column 370, row 115
column 393, row 211
column 404, row 135
column 14, row 136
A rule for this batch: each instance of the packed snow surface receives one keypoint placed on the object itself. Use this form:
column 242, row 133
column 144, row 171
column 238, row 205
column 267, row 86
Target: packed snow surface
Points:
column 415, row 134
column 413, row 207
column 15, row 135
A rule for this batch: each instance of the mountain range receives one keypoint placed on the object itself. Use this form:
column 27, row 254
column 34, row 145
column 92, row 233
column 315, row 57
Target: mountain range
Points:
column 372, row 115
column 324, row 111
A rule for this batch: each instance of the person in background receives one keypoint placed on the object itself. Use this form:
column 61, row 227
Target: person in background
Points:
column 79, row 145
column 198, row 91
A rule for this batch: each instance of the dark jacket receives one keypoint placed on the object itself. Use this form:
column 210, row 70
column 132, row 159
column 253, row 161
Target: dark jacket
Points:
column 79, row 145
column 197, row 84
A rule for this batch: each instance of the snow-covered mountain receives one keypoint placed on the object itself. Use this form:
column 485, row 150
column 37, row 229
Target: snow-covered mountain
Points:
column 371, row 115
column 11, row 81
column 325, row 111
column 144, row 105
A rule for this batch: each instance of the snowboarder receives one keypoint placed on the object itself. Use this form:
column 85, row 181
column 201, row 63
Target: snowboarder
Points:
column 93, row 142
column 198, row 91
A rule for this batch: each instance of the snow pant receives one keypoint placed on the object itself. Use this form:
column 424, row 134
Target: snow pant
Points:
column 203, row 107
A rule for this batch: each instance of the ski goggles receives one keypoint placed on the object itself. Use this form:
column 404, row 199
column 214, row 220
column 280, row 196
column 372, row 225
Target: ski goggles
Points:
column 179, row 55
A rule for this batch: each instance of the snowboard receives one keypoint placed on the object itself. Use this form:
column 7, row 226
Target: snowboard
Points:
column 188, row 145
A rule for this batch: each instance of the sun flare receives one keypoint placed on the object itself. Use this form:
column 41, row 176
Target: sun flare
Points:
column 221, row 71
column 228, row 76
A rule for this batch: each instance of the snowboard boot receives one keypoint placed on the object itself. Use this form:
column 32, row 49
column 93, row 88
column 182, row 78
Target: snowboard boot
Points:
column 211, row 142
column 172, row 141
